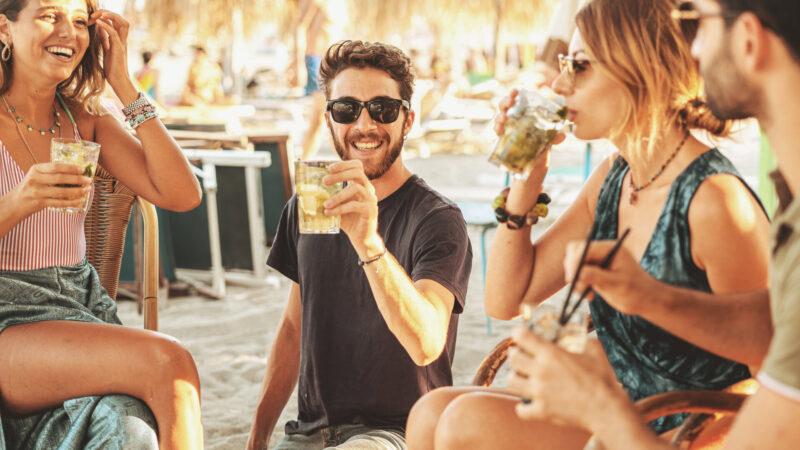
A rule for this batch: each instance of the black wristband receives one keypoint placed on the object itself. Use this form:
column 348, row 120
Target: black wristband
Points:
column 373, row 259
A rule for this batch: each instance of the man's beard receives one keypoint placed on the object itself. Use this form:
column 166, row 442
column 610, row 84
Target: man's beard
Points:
column 383, row 166
column 729, row 95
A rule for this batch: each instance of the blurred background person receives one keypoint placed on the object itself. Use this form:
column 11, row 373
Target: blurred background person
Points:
column 147, row 77
column 204, row 84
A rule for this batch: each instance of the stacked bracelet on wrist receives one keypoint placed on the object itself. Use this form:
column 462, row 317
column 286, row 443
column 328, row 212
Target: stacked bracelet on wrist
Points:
column 514, row 222
column 139, row 112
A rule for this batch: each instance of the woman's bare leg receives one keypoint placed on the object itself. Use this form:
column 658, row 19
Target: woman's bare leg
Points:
column 45, row 363
column 486, row 420
column 424, row 416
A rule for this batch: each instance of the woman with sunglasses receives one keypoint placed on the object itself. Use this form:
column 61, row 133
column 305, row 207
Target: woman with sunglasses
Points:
column 70, row 375
column 629, row 78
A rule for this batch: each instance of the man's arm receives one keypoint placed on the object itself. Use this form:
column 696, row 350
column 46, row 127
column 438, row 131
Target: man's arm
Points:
column 418, row 314
column 283, row 368
column 741, row 328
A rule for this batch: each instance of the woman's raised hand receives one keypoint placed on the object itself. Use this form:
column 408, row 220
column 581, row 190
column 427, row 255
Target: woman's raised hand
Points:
column 54, row 185
column 524, row 193
column 502, row 116
column 112, row 29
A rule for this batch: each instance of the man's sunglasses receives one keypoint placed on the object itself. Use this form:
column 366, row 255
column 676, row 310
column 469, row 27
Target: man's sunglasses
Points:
column 381, row 109
column 688, row 12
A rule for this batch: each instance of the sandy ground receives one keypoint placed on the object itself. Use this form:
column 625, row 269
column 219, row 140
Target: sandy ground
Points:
column 230, row 338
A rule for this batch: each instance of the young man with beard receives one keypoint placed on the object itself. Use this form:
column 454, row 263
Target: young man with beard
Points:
column 749, row 54
column 370, row 325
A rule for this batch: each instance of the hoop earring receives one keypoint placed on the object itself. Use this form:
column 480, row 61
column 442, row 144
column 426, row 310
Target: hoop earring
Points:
column 5, row 55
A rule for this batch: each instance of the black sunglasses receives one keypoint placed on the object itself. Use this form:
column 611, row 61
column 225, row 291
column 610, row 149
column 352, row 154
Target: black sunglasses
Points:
column 687, row 12
column 381, row 109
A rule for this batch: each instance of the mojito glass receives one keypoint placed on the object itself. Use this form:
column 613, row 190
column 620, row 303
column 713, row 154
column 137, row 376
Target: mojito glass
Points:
column 83, row 154
column 532, row 125
column 311, row 196
column 543, row 321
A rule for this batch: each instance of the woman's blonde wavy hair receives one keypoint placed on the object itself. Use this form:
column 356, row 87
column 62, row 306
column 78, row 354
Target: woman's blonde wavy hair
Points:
column 87, row 81
column 639, row 45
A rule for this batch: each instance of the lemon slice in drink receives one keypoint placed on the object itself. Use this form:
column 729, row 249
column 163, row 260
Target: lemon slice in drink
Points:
column 311, row 198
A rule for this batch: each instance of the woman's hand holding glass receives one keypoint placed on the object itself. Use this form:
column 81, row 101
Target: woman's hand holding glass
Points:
column 524, row 192
column 51, row 185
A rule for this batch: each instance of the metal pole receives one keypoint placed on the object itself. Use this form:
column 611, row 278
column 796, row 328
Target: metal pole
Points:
column 217, row 271
column 255, row 216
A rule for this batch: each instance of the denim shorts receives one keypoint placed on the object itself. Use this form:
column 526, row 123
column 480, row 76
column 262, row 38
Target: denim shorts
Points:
column 111, row 422
column 351, row 436
column 55, row 293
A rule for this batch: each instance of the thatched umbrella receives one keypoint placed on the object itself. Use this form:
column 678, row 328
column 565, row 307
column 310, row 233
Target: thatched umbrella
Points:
column 455, row 21
column 374, row 19
column 166, row 19
column 452, row 22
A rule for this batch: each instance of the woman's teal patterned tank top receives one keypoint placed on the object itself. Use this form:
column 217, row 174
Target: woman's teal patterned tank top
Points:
column 647, row 359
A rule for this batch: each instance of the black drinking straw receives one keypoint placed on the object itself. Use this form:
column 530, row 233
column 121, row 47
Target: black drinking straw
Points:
column 605, row 264
column 562, row 316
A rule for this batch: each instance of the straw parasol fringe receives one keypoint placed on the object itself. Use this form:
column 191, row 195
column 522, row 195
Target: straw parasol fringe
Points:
column 455, row 19
column 165, row 19
column 372, row 19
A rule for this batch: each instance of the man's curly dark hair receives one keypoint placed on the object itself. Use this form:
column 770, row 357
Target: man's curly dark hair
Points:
column 346, row 54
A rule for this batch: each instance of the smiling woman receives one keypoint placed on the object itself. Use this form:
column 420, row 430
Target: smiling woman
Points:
column 82, row 74
column 70, row 376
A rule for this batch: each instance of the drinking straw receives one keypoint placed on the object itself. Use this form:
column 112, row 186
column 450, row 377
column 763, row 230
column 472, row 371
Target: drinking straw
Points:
column 605, row 264
column 563, row 314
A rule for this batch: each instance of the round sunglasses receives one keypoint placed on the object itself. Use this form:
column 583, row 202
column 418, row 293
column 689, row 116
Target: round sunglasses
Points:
column 381, row 109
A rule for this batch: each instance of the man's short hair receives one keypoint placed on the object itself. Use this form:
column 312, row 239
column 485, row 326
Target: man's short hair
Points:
column 780, row 16
column 346, row 54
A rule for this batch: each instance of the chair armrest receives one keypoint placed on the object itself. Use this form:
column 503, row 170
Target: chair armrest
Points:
column 492, row 363
column 705, row 402
column 150, row 273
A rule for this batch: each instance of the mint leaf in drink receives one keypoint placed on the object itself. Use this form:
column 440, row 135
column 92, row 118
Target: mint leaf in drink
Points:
column 88, row 171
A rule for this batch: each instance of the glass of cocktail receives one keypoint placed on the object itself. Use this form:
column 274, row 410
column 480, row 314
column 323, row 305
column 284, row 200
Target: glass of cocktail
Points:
column 311, row 196
column 83, row 154
column 532, row 123
column 543, row 320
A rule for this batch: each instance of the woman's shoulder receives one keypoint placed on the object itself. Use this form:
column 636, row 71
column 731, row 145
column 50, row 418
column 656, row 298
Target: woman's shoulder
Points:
column 723, row 201
column 594, row 185
column 86, row 118
column 611, row 164
column 710, row 161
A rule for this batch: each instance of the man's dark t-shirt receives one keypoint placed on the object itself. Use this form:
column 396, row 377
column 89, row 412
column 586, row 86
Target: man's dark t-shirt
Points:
column 352, row 368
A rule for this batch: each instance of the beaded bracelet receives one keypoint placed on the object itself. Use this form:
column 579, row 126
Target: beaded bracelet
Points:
column 515, row 222
column 139, row 112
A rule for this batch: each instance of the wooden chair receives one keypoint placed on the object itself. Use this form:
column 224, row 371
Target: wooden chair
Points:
column 105, row 228
column 703, row 428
